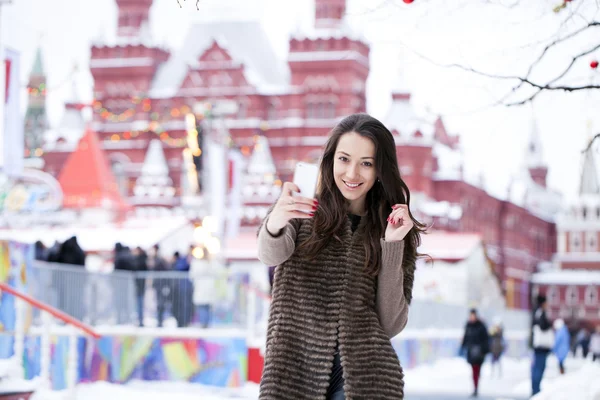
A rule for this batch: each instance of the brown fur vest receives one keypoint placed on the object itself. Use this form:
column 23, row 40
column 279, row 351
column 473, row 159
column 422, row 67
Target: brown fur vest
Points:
column 311, row 300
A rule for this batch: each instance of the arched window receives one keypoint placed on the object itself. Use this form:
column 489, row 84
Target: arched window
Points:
column 575, row 241
column 553, row 295
column 572, row 295
column 330, row 109
column 310, row 110
column 591, row 295
column 591, row 241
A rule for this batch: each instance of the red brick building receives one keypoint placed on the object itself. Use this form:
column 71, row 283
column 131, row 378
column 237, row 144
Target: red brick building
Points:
column 287, row 107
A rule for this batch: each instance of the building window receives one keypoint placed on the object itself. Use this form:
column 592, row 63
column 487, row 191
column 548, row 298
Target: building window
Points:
column 572, row 296
column 310, row 110
column 575, row 241
column 272, row 112
column 591, row 296
column 591, row 241
column 553, row 296
column 329, row 110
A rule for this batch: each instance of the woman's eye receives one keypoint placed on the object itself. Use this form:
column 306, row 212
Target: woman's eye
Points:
column 367, row 164
column 342, row 158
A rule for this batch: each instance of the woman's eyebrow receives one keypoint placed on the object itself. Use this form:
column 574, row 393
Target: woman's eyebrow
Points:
column 362, row 158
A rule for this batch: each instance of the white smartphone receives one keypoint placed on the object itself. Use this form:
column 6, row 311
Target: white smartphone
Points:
column 305, row 177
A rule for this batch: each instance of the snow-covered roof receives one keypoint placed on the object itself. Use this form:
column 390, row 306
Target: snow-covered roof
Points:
column 440, row 209
column 567, row 277
column 402, row 118
column 449, row 161
column 240, row 38
column 449, row 246
column 541, row 201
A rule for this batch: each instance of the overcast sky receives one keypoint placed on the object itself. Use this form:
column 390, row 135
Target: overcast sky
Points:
column 413, row 41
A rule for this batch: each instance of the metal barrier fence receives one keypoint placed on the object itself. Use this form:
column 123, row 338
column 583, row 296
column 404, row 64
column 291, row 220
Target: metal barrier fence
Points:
column 425, row 314
column 153, row 298
column 176, row 299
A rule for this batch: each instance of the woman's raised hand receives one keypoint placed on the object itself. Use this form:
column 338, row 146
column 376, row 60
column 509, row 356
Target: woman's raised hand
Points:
column 288, row 207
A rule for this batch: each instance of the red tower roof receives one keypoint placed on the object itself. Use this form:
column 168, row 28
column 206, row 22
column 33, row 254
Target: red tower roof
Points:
column 87, row 180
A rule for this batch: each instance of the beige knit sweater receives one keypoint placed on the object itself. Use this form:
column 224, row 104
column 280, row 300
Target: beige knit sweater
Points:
column 328, row 299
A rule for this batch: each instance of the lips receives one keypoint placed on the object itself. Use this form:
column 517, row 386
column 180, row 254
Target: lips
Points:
column 352, row 185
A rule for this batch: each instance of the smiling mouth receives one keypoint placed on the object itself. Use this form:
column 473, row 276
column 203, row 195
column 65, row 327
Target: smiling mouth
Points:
column 352, row 185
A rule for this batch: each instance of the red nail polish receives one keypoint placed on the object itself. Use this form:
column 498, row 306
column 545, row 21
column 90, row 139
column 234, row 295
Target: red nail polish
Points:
column 312, row 214
column 314, row 207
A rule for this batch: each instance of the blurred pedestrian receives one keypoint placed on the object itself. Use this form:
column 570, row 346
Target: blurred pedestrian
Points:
column 562, row 343
column 71, row 278
column 475, row 344
column 497, row 346
column 161, row 285
column 543, row 341
column 40, row 251
column 124, row 261
column 583, row 341
column 183, row 309
column 53, row 252
column 140, row 265
column 595, row 344
column 204, row 272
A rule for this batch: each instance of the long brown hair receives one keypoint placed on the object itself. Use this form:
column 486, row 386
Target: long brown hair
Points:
column 388, row 190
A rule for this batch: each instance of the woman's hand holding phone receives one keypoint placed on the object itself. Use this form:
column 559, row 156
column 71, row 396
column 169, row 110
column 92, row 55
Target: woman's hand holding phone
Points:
column 290, row 206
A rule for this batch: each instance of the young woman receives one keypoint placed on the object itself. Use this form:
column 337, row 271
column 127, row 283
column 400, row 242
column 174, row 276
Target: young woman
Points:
column 344, row 276
column 476, row 344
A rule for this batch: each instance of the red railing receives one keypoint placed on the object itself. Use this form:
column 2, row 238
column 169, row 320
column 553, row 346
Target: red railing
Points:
column 50, row 310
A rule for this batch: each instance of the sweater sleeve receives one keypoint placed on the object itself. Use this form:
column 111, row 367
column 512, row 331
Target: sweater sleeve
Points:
column 276, row 249
column 391, row 303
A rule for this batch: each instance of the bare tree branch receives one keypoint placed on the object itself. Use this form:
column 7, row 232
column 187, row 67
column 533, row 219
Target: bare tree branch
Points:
column 589, row 146
column 554, row 43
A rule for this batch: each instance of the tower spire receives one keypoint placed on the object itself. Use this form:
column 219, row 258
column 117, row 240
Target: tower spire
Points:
column 133, row 14
column 590, row 182
column 329, row 13
column 535, row 156
column 36, row 120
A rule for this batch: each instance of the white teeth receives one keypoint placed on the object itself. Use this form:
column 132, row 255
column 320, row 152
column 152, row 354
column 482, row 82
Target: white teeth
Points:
column 352, row 185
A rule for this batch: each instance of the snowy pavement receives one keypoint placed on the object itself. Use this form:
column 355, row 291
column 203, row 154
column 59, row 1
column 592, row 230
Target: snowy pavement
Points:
column 447, row 379
column 450, row 379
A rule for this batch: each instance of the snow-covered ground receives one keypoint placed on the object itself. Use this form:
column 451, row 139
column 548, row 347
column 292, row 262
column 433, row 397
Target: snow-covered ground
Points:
column 448, row 376
column 582, row 385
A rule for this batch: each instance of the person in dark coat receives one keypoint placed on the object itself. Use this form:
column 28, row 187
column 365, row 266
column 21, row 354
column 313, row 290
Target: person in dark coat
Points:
column 162, row 286
column 140, row 264
column 475, row 344
column 71, row 281
column 183, row 308
column 53, row 252
column 41, row 253
column 71, row 253
column 123, row 260
column 542, row 340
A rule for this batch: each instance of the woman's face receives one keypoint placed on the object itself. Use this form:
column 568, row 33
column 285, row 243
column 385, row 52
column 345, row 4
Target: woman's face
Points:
column 354, row 169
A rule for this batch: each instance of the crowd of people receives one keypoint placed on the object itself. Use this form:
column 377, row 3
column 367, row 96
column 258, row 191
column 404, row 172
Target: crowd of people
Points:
column 180, row 297
column 546, row 337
